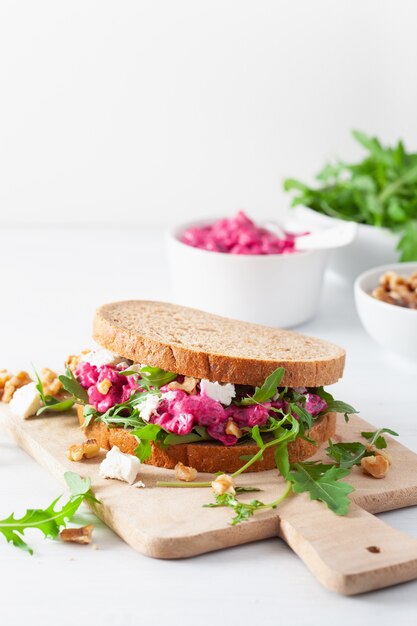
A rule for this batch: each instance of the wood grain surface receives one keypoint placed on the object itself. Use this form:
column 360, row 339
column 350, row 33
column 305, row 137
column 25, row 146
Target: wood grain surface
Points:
column 350, row 554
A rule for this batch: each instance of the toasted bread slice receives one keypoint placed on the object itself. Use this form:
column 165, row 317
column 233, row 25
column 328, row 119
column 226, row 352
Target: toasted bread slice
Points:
column 191, row 342
column 211, row 457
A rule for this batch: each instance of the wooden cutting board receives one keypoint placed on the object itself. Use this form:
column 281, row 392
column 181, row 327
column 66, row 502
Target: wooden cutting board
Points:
column 350, row 554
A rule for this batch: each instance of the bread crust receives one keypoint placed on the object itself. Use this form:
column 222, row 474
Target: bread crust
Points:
column 194, row 343
column 210, row 457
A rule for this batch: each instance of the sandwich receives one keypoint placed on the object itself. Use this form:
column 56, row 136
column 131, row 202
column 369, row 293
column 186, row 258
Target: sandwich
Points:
column 170, row 385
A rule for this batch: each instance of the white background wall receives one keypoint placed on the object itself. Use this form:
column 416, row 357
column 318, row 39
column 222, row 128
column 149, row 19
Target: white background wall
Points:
column 153, row 111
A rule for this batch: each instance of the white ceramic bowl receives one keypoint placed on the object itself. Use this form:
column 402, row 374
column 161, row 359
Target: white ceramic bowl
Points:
column 393, row 327
column 372, row 246
column 279, row 290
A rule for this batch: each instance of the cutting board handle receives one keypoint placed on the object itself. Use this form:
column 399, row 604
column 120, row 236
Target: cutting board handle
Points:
column 372, row 554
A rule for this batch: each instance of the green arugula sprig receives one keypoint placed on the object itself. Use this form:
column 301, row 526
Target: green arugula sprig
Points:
column 60, row 405
column 348, row 454
column 380, row 190
column 243, row 511
column 336, row 406
column 323, row 482
column 153, row 376
column 71, row 384
column 267, row 390
column 49, row 521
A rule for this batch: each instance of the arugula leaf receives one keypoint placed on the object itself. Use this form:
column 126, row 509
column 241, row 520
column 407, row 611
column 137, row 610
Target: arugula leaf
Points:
column 79, row 486
column 337, row 406
column 198, row 434
column 281, row 459
column 89, row 414
column 57, row 406
column 146, row 436
column 380, row 190
column 49, row 521
column 348, row 454
column 376, row 437
column 243, row 511
column 49, row 402
column 71, row 384
column 282, row 436
column 39, row 387
column 156, row 377
column 304, row 416
column 268, row 389
column 322, row 482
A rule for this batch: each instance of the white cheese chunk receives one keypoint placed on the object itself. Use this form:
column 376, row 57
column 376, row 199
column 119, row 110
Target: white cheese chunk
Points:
column 148, row 406
column 100, row 357
column 26, row 401
column 120, row 466
column 223, row 393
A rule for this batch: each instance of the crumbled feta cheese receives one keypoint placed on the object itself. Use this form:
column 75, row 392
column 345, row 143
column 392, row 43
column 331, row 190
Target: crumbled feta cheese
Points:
column 100, row 357
column 169, row 395
column 216, row 391
column 148, row 406
column 139, row 484
column 120, row 466
column 26, row 401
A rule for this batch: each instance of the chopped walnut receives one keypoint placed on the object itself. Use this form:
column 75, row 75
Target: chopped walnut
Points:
column 5, row 376
column 104, row 386
column 381, row 452
column 50, row 382
column 77, row 535
column 399, row 290
column 223, row 484
column 377, row 465
column 189, row 384
column 15, row 382
column 74, row 359
column 86, row 450
column 233, row 429
column 185, row 473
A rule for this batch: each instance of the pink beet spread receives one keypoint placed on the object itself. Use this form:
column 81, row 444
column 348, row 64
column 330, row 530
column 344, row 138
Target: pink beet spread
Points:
column 238, row 235
column 179, row 412
column 120, row 391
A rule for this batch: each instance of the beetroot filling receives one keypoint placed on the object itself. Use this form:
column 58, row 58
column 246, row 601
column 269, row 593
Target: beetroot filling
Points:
column 178, row 412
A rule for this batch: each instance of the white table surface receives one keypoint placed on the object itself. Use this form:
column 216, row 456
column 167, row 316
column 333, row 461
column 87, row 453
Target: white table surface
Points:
column 51, row 281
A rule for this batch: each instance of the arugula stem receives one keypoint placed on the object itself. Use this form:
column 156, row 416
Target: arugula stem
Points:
column 172, row 483
column 275, row 503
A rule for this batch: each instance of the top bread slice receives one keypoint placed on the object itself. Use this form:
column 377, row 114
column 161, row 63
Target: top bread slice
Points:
column 194, row 343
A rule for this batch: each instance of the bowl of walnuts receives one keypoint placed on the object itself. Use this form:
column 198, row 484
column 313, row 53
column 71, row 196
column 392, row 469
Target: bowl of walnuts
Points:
column 386, row 301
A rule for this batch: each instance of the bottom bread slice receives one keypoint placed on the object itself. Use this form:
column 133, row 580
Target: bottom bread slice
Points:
column 211, row 457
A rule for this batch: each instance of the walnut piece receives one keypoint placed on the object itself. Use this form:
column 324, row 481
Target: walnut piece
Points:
column 77, row 535
column 223, row 484
column 185, row 473
column 376, row 465
column 188, row 385
column 399, row 290
column 104, row 386
column 50, row 382
column 4, row 377
column 14, row 382
column 233, row 429
column 74, row 359
column 86, row 450
column 381, row 452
